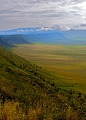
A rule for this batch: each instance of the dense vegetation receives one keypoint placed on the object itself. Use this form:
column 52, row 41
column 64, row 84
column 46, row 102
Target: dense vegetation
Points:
column 28, row 93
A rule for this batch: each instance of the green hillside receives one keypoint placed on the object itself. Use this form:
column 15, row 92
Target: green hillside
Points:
column 15, row 71
column 28, row 93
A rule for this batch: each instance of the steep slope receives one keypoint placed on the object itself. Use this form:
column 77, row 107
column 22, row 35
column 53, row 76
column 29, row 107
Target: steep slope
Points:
column 11, row 40
column 4, row 43
column 15, row 70
column 29, row 93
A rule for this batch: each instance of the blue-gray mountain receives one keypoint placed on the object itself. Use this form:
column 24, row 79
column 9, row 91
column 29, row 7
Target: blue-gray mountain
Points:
column 30, row 35
column 11, row 40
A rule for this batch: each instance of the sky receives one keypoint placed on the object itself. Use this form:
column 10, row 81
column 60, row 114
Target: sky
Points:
column 63, row 14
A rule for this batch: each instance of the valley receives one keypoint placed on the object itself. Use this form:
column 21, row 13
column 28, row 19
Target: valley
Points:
column 42, row 75
column 43, row 60
column 66, row 64
column 30, row 92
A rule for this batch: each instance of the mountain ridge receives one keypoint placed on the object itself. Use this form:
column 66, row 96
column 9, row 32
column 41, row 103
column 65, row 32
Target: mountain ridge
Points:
column 12, row 40
column 48, row 35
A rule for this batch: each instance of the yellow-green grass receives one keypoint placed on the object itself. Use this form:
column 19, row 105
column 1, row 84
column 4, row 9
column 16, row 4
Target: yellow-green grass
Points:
column 68, row 63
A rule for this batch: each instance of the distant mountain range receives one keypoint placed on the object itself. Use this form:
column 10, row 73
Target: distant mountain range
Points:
column 9, row 38
column 40, row 30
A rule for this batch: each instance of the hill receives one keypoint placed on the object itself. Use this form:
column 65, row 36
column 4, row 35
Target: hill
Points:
column 46, row 35
column 51, row 37
column 11, row 40
column 28, row 93
column 70, row 37
column 75, row 34
column 4, row 43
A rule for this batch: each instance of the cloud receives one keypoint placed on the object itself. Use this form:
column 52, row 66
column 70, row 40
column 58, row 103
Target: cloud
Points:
column 80, row 26
column 59, row 27
column 84, row 25
column 25, row 13
column 77, row 1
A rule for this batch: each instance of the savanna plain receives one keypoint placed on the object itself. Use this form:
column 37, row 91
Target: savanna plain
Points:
column 66, row 63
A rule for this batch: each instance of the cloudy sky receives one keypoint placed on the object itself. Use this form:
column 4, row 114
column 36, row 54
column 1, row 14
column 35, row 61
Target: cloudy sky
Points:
column 33, row 13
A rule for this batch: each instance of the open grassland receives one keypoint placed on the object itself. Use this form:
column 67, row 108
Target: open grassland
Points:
column 67, row 63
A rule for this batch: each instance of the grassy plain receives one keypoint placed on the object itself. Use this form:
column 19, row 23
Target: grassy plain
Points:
column 67, row 63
